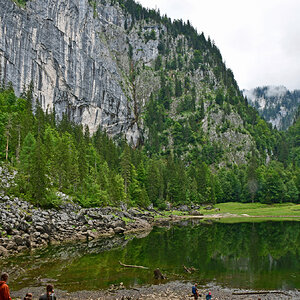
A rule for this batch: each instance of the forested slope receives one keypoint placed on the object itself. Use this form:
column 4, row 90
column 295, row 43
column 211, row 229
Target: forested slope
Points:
column 145, row 112
column 54, row 157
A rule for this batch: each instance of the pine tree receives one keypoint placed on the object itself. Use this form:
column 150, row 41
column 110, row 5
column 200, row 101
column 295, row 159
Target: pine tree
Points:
column 154, row 181
column 126, row 167
column 38, row 179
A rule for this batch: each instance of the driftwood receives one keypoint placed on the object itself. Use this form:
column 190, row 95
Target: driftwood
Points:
column 259, row 293
column 158, row 274
column 189, row 270
column 133, row 266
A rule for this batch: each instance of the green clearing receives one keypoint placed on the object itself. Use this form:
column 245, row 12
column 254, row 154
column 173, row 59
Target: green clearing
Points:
column 256, row 209
column 233, row 220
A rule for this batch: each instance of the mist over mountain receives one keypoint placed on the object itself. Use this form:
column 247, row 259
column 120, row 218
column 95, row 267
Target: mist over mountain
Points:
column 276, row 104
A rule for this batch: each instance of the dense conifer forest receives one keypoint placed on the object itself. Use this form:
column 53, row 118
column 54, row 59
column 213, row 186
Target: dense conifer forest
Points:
column 52, row 157
column 176, row 162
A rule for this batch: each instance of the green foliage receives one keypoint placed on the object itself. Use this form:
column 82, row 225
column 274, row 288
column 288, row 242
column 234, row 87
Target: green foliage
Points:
column 158, row 63
column 21, row 3
column 95, row 171
column 94, row 6
column 150, row 36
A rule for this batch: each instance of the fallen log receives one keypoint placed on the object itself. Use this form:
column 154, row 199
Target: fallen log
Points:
column 259, row 293
column 189, row 270
column 186, row 269
column 133, row 266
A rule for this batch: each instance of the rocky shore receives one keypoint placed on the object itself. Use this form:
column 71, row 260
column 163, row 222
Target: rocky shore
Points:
column 24, row 227
column 176, row 290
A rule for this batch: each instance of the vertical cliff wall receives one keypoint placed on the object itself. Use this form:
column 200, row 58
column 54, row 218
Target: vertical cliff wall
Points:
column 62, row 47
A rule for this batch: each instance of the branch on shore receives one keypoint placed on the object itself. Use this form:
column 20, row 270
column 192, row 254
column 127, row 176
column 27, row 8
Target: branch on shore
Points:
column 133, row 266
column 189, row 270
column 259, row 293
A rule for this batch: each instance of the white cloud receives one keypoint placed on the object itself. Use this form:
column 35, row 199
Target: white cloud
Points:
column 259, row 40
column 276, row 91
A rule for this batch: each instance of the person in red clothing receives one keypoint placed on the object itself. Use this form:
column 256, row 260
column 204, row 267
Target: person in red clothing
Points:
column 4, row 289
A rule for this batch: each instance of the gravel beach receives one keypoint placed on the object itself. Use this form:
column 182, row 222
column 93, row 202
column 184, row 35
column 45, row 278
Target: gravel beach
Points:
column 176, row 290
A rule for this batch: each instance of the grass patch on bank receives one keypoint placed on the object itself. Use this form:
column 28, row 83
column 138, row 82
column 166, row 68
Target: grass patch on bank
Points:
column 255, row 220
column 256, row 209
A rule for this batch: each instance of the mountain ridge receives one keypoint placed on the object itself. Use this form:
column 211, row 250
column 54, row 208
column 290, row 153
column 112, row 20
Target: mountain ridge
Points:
column 276, row 104
column 99, row 62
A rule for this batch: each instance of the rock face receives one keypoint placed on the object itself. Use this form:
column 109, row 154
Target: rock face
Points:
column 62, row 48
column 97, row 63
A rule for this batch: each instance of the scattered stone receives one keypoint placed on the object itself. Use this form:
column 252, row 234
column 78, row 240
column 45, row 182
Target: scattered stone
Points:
column 183, row 208
column 3, row 251
column 208, row 207
column 195, row 213
column 119, row 230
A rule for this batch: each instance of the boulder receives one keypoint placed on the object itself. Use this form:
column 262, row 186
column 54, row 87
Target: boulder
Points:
column 209, row 207
column 21, row 248
column 118, row 223
column 18, row 240
column 3, row 251
column 183, row 208
column 39, row 229
column 45, row 236
column 195, row 213
column 119, row 230
column 11, row 246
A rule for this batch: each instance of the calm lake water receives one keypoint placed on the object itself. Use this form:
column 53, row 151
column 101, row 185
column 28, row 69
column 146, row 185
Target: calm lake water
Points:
column 245, row 255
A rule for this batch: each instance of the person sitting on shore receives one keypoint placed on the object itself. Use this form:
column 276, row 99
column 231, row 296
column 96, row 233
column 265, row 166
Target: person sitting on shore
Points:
column 195, row 291
column 208, row 296
column 49, row 293
column 4, row 289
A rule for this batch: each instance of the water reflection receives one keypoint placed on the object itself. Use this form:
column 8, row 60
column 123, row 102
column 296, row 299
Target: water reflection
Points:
column 258, row 256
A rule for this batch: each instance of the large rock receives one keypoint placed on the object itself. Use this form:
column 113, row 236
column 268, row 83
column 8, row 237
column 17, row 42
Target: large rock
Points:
column 18, row 240
column 119, row 230
column 3, row 251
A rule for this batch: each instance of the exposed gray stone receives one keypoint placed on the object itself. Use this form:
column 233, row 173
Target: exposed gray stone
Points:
column 71, row 60
column 3, row 251
column 18, row 240
column 11, row 246
column 119, row 230
column 47, row 225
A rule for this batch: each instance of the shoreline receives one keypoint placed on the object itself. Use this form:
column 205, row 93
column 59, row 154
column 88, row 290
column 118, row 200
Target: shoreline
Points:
column 26, row 228
column 95, row 223
column 179, row 290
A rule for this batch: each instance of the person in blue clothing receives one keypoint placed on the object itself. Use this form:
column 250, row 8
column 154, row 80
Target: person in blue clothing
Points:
column 208, row 296
column 195, row 291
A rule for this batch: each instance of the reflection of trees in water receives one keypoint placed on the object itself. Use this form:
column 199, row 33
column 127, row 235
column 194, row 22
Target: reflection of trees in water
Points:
column 241, row 252
column 254, row 255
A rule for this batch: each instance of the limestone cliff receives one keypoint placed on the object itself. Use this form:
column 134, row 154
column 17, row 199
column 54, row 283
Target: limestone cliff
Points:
column 99, row 63
column 63, row 49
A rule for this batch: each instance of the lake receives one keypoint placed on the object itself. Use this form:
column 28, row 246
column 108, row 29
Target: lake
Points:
column 243, row 255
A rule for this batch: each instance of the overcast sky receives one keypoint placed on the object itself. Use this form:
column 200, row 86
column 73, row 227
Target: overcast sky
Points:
column 259, row 39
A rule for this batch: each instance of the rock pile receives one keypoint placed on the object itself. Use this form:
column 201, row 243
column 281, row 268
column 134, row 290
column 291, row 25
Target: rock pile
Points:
column 23, row 226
